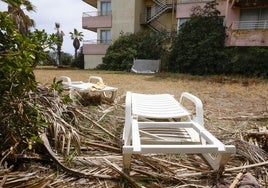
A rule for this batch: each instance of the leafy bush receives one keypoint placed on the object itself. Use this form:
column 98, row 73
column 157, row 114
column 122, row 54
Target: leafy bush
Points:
column 19, row 54
column 143, row 45
column 249, row 61
column 66, row 58
column 198, row 48
column 79, row 60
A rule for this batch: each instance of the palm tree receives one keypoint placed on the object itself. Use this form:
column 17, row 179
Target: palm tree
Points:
column 21, row 20
column 59, row 36
column 76, row 37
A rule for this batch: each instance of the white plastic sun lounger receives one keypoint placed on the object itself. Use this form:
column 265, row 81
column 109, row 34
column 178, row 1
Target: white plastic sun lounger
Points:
column 95, row 84
column 158, row 123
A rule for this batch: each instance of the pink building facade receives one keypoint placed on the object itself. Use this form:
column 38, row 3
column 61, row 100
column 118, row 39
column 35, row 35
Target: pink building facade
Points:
column 246, row 21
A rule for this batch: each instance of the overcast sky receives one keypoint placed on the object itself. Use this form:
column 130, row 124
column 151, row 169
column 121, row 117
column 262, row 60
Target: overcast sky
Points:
column 66, row 12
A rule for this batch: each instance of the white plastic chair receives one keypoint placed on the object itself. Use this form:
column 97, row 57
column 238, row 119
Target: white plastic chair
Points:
column 158, row 123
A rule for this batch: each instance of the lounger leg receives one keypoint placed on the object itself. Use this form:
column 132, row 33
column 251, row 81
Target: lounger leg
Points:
column 126, row 163
column 71, row 93
column 217, row 162
column 111, row 98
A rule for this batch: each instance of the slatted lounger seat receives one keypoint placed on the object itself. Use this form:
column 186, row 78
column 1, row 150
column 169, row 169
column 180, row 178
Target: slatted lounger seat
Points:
column 94, row 85
column 158, row 123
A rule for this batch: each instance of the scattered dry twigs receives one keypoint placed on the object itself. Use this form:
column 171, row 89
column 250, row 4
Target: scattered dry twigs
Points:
column 95, row 133
column 251, row 152
column 7, row 153
column 265, row 163
column 236, row 180
column 247, row 118
column 65, row 168
column 95, row 123
column 120, row 171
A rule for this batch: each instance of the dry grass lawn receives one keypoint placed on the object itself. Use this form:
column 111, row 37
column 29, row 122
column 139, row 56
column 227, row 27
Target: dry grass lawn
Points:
column 232, row 106
column 225, row 99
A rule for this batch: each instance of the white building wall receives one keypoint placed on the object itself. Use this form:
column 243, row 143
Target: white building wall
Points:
column 92, row 61
column 123, row 17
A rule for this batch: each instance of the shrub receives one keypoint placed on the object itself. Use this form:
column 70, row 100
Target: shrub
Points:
column 143, row 45
column 198, row 48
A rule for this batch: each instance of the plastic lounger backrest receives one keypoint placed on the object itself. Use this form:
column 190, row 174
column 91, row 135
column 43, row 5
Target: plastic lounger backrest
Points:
column 157, row 106
column 95, row 79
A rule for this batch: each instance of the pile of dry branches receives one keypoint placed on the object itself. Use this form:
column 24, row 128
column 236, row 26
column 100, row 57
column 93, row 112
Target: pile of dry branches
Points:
column 82, row 148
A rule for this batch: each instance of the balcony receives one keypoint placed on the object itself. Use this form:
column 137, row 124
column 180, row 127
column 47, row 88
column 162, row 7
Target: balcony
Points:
column 250, row 25
column 94, row 20
column 194, row 1
column 94, row 47
column 249, row 3
column 91, row 2
column 248, row 33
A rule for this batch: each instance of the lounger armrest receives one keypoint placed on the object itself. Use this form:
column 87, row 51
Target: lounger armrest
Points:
column 66, row 80
column 96, row 78
column 198, row 106
column 128, row 120
column 136, row 142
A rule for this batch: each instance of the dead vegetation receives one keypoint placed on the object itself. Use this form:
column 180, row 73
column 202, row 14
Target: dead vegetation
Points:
column 83, row 143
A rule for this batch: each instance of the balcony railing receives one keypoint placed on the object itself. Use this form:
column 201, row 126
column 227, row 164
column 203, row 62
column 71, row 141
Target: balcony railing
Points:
column 96, row 13
column 164, row 2
column 250, row 25
column 193, row 1
column 95, row 41
column 95, row 47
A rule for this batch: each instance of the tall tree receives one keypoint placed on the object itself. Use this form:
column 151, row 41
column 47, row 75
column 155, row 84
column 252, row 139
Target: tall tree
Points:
column 198, row 47
column 22, row 21
column 59, row 41
column 77, row 37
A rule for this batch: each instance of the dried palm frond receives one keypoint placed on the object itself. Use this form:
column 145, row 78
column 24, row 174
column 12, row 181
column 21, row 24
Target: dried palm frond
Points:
column 251, row 152
column 96, row 131
column 56, row 114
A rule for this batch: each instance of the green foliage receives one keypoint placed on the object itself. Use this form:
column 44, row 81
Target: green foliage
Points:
column 17, row 3
column 20, row 122
column 56, row 86
column 198, row 48
column 249, row 61
column 19, row 54
column 143, row 45
column 79, row 60
column 120, row 54
column 77, row 37
column 59, row 41
column 66, row 58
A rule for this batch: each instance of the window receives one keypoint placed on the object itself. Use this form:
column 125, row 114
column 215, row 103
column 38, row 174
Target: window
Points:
column 253, row 18
column 264, row 14
column 182, row 21
column 105, row 36
column 105, row 8
column 148, row 12
column 254, row 14
column 249, row 14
